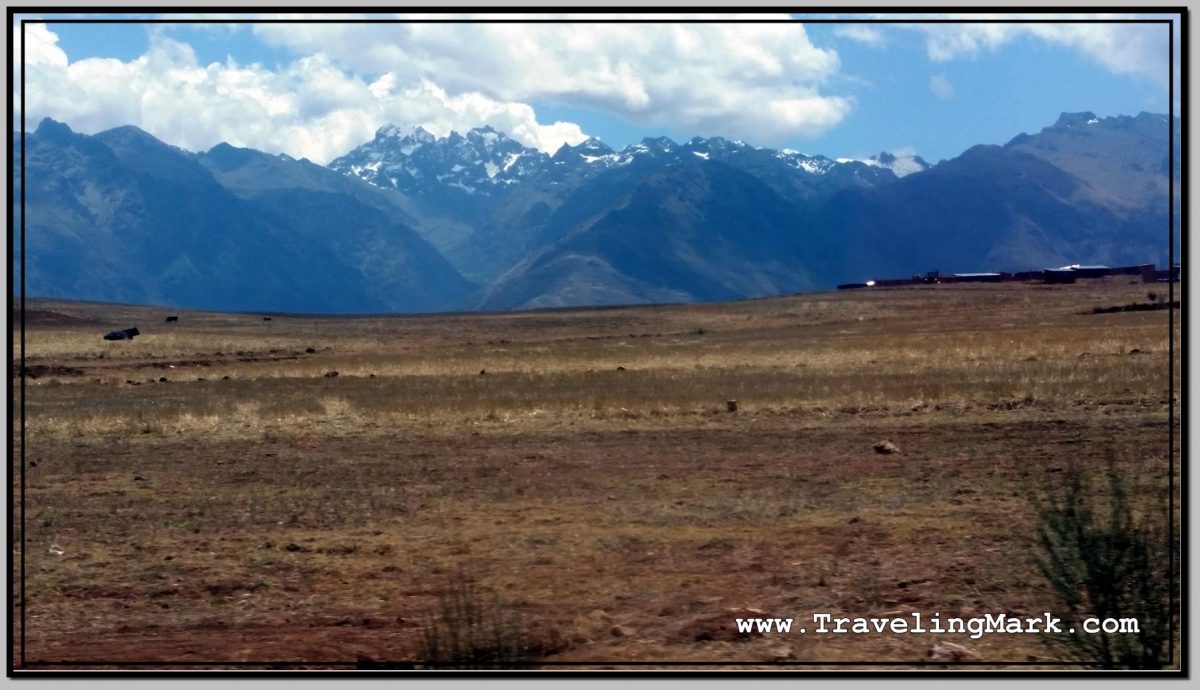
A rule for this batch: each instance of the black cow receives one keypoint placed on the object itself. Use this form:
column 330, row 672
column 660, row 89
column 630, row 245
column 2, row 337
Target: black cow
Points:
column 266, row 318
column 126, row 334
column 172, row 319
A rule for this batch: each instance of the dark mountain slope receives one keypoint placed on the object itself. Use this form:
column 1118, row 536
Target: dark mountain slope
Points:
column 696, row 231
column 124, row 217
column 990, row 209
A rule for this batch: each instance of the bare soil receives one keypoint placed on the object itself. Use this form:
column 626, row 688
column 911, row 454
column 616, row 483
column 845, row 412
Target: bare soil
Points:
column 237, row 505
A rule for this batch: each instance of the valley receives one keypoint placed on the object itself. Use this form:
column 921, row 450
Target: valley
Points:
column 306, row 491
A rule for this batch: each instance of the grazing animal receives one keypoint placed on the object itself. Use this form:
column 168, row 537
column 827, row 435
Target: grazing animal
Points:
column 172, row 319
column 126, row 334
column 266, row 318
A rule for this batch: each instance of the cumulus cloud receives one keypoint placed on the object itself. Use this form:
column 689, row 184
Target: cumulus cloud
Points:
column 759, row 81
column 941, row 87
column 311, row 108
column 763, row 82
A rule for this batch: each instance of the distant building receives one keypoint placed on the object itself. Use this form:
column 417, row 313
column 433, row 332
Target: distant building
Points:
column 1153, row 276
column 1059, row 276
column 978, row 277
column 1088, row 271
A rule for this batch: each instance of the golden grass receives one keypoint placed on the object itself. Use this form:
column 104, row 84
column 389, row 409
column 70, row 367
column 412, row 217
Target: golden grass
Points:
column 277, row 504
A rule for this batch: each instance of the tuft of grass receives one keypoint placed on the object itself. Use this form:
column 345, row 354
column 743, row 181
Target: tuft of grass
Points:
column 1103, row 560
column 470, row 629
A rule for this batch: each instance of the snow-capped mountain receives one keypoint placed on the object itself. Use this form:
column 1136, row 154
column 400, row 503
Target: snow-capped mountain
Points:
column 416, row 160
column 411, row 221
column 485, row 160
column 487, row 201
column 902, row 165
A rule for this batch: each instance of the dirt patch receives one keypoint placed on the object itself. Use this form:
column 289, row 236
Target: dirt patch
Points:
column 35, row 371
column 46, row 317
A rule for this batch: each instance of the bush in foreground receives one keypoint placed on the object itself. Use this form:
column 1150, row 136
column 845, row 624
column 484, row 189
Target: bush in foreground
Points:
column 1105, row 560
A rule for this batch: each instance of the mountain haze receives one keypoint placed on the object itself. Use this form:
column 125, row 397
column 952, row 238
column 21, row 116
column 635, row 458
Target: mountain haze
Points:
column 414, row 222
column 121, row 216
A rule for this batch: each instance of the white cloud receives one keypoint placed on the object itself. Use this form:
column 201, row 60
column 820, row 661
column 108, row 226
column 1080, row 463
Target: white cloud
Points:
column 310, row 108
column 941, row 87
column 761, row 82
column 758, row 81
column 861, row 33
column 1125, row 48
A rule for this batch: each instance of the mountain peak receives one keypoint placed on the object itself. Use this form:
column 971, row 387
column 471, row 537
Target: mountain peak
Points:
column 389, row 131
column 49, row 128
column 1072, row 119
column 592, row 146
column 659, row 143
column 225, row 156
column 49, row 125
column 417, row 134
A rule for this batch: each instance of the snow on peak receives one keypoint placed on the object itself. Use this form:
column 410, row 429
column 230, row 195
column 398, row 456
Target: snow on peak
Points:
column 901, row 165
column 389, row 131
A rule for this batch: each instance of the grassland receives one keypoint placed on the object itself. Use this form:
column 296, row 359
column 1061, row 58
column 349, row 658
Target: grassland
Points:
column 212, row 492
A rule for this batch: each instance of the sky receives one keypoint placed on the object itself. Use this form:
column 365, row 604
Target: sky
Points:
column 838, row 89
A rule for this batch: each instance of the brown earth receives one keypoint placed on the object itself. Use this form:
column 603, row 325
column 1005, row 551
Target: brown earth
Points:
column 581, row 466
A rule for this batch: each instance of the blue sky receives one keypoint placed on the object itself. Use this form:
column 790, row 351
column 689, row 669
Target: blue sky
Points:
column 930, row 90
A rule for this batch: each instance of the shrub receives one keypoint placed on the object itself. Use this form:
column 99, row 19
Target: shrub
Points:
column 1104, row 560
column 469, row 629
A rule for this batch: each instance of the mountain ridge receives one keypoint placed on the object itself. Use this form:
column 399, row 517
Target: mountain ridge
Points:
column 410, row 221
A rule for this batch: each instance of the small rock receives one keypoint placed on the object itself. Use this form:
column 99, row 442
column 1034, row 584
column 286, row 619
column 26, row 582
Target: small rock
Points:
column 138, row 478
column 162, row 379
column 56, row 550
column 781, row 652
column 331, row 374
column 309, row 350
column 620, row 368
column 620, row 631
column 949, row 652
column 483, row 372
column 731, row 406
column 1135, row 351
column 886, row 448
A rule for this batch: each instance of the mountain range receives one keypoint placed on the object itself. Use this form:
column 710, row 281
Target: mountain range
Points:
column 411, row 222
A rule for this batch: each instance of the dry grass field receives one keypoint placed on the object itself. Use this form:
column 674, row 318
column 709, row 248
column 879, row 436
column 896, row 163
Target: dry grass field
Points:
column 211, row 492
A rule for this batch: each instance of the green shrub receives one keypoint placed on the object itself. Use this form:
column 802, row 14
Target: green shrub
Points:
column 1105, row 560
column 469, row 629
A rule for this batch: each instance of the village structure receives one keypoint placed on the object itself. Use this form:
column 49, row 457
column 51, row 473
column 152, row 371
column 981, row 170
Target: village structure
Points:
column 1062, row 275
